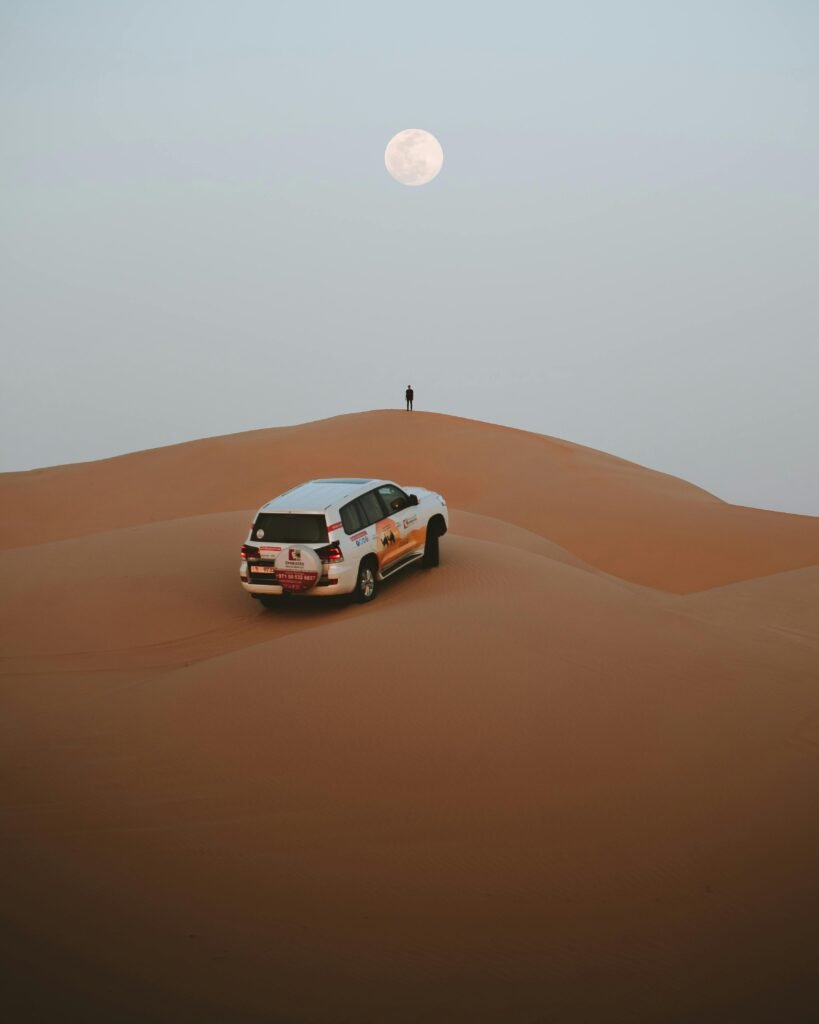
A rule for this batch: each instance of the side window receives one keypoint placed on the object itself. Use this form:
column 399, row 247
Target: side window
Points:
column 393, row 497
column 351, row 518
column 371, row 507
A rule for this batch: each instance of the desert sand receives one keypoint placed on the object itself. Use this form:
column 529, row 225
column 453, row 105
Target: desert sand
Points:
column 569, row 775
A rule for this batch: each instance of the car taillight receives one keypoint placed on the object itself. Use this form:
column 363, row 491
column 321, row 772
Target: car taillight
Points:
column 331, row 553
column 249, row 552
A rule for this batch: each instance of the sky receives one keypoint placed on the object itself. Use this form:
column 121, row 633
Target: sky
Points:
column 198, row 235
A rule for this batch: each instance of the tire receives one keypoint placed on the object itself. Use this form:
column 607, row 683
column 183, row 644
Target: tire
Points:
column 366, row 585
column 432, row 554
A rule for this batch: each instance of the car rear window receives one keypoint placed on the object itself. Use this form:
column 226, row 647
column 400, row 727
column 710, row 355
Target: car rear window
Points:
column 290, row 528
column 371, row 507
column 352, row 518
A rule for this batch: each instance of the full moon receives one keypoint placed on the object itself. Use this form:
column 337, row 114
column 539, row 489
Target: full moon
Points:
column 413, row 156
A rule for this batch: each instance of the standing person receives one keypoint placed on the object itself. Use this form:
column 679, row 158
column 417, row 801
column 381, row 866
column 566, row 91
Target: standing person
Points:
column 409, row 395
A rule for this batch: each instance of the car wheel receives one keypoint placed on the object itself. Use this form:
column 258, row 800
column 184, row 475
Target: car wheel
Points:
column 366, row 586
column 431, row 550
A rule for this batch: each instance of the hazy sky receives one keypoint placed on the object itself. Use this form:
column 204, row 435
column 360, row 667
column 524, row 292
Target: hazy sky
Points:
column 198, row 235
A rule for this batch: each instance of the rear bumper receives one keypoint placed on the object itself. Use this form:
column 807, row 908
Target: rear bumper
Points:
column 340, row 579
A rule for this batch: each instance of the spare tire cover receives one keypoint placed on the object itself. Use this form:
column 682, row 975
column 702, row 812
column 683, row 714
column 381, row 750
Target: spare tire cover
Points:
column 297, row 568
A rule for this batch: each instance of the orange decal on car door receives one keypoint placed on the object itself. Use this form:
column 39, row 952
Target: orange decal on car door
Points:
column 387, row 541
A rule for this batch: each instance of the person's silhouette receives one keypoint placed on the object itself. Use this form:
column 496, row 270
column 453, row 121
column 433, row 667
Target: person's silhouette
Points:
column 409, row 395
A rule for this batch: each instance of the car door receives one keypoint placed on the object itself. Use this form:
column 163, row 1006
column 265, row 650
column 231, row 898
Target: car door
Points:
column 387, row 540
column 413, row 525
column 399, row 524
column 372, row 513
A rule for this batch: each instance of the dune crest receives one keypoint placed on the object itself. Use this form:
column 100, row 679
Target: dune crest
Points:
column 644, row 526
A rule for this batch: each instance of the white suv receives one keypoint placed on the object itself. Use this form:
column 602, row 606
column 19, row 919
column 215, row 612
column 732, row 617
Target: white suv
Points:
column 330, row 537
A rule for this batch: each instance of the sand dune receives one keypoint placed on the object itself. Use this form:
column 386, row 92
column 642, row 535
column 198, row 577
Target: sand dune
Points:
column 569, row 775
column 626, row 520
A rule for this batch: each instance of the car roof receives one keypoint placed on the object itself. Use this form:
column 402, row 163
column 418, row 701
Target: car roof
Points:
column 319, row 495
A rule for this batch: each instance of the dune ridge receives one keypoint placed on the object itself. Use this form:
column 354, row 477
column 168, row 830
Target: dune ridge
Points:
column 569, row 775
column 629, row 521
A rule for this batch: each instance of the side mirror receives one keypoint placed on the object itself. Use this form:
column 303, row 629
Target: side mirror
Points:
column 413, row 499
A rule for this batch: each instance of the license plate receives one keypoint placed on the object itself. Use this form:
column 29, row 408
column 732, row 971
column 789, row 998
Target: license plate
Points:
column 263, row 568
